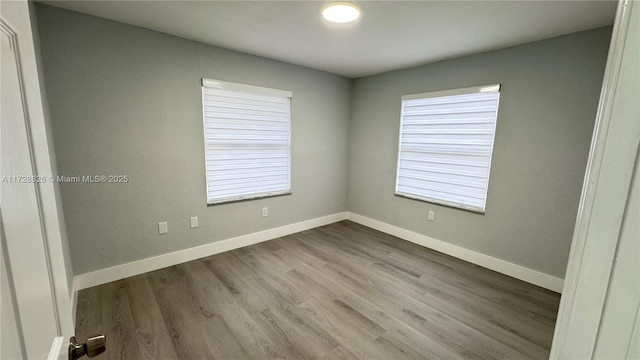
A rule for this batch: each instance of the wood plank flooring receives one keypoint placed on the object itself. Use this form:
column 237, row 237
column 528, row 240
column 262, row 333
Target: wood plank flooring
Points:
column 342, row 291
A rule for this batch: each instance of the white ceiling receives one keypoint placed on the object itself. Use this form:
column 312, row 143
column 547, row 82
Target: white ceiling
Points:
column 389, row 35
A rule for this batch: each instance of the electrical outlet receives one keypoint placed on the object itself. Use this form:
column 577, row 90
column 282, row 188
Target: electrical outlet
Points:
column 163, row 228
column 194, row 222
column 265, row 211
column 432, row 215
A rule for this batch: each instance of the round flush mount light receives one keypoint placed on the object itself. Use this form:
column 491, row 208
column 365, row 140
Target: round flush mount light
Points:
column 341, row 12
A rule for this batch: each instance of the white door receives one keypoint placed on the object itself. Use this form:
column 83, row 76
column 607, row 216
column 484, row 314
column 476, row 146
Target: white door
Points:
column 598, row 316
column 26, row 258
column 35, row 301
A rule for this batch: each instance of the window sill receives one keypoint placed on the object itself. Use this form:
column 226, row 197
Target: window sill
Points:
column 442, row 203
column 248, row 199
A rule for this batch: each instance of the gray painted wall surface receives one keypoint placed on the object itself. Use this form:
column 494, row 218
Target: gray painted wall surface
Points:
column 125, row 100
column 549, row 98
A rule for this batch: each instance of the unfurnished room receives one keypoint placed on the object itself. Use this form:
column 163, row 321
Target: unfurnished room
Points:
column 320, row 179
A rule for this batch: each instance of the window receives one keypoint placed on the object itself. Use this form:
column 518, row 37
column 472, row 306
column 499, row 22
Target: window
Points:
column 446, row 141
column 247, row 141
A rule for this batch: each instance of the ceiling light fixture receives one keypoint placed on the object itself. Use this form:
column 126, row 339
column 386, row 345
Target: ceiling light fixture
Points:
column 341, row 12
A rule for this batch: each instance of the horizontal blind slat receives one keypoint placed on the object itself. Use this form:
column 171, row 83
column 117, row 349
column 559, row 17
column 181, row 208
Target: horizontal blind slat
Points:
column 221, row 156
column 443, row 170
column 447, row 139
column 445, row 117
column 489, row 105
column 419, row 177
column 445, row 131
column 243, row 95
column 247, row 188
column 212, row 127
column 218, row 177
column 236, row 165
column 229, row 118
column 240, row 109
column 248, row 182
column 427, row 111
column 242, row 137
column 449, row 161
column 435, row 192
column 275, row 102
column 440, row 150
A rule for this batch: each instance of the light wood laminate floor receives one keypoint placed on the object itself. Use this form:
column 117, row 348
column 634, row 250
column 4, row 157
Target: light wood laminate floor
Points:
column 342, row 291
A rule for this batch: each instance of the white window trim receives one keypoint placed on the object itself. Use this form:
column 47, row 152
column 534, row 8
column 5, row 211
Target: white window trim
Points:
column 451, row 92
column 258, row 90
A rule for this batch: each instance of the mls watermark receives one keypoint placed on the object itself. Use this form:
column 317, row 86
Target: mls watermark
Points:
column 64, row 179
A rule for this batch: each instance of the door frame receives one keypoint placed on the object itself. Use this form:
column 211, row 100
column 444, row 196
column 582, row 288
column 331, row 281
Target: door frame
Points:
column 18, row 17
column 612, row 158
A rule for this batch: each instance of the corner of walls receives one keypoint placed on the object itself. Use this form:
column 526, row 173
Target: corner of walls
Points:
column 548, row 106
column 125, row 100
column 352, row 92
column 504, row 267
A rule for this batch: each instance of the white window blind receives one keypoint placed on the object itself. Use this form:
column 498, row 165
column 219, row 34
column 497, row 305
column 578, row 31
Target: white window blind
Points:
column 446, row 142
column 247, row 141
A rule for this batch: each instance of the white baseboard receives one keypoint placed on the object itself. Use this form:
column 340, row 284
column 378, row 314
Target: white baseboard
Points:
column 138, row 267
column 517, row 271
column 118, row 272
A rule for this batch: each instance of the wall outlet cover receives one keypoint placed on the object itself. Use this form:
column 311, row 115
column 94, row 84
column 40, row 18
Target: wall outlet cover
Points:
column 163, row 228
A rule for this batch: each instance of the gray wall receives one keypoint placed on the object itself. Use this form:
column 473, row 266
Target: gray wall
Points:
column 125, row 100
column 548, row 104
